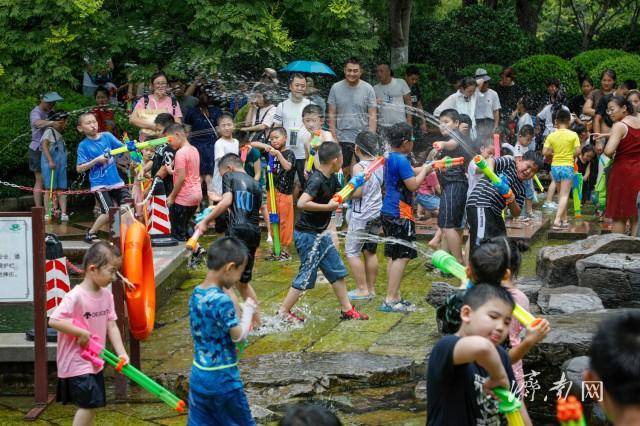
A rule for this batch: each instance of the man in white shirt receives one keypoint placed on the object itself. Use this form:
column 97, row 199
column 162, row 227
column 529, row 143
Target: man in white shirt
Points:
column 463, row 101
column 487, row 106
column 289, row 115
column 393, row 95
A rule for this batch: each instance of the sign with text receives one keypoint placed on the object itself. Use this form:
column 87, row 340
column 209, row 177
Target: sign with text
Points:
column 16, row 259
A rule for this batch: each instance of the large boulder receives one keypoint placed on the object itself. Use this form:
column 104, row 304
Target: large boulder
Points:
column 556, row 265
column 439, row 292
column 530, row 286
column 567, row 300
column 614, row 277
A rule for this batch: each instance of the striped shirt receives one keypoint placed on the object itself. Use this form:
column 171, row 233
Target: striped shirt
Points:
column 486, row 195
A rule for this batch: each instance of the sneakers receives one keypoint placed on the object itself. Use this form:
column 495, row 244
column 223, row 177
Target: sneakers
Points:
column 353, row 314
column 290, row 317
column 398, row 306
column 64, row 217
column 284, row 257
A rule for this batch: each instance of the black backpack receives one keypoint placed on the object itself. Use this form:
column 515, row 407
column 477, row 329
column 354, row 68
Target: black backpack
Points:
column 448, row 314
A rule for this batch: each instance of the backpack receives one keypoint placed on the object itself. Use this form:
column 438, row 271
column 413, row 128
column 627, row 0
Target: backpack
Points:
column 448, row 314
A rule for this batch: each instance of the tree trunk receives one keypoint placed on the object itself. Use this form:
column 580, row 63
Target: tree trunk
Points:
column 399, row 24
column 528, row 12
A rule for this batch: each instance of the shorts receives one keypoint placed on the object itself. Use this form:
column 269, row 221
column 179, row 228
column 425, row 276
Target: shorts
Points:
column 452, row 204
column 34, row 160
column 300, row 165
column 251, row 238
column 231, row 408
column 560, row 173
column 357, row 236
column 483, row 223
column 428, row 201
column 348, row 153
column 112, row 198
column 316, row 251
column 528, row 189
column 402, row 229
column 85, row 391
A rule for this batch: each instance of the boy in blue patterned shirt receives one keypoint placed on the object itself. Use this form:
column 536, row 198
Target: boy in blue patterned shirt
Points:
column 216, row 395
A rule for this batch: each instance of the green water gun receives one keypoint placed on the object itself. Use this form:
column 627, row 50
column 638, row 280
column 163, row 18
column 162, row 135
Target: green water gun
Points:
column 499, row 182
column 313, row 146
column 133, row 145
column 577, row 192
column 510, row 406
column 273, row 216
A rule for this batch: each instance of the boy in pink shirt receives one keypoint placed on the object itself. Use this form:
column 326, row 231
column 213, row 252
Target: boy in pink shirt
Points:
column 89, row 303
column 187, row 191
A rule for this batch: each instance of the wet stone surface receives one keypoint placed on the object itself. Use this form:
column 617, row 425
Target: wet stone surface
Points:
column 614, row 277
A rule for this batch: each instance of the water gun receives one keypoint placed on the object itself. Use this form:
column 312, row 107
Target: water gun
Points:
column 53, row 172
column 133, row 146
column 447, row 162
column 496, row 145
column 358, row 180
column 316, row 141
column 537, row 182
column 498, row 181
column 96, row 353
column 577, row 192
column 273, row 216
column 447, row 263
column 570, row 412
column 510, row 406
column 192, row 243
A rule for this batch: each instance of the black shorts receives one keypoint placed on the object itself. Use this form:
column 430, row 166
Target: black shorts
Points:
column 34, row 160
column 85, row 391
column 113, row 198
column 401, row 229
column 483, row 223
column 300, row 165
column 452, row 203
column 373, row 227
column 348, row 153
column 251, row 239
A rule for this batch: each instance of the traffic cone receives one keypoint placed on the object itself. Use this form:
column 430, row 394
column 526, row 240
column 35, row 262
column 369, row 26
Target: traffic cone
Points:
column 159, row 226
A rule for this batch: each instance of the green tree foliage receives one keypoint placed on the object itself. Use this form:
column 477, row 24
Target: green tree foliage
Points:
column 564, row 42
column 586, row 61
column 432, row 84
column 534, row 71
column 492, row 69
column 627, row 67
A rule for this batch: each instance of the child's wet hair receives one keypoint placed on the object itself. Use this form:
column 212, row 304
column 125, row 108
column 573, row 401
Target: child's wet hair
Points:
column 84, row 115
column 615, row 357
column 309, row 415
column 482, row 293
column 368, row 142
column 328, row 152
column 278, row 129
column 526, row 130
column 489, row 262
column 226, row 250
column 579, row 128
column 465, row 119
column 230, row 159
column 587, row 148
column 174, row 128
column 535, row 157
column 164, row 119
column 313, row 109
column 451, row 114
column 513, row 249
column 225, row 116
column 103, row 90
column 563, row 116
column 399, row 133
column 100, row 254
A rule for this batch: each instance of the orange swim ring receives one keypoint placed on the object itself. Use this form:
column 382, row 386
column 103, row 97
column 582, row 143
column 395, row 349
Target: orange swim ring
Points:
column 138, row 268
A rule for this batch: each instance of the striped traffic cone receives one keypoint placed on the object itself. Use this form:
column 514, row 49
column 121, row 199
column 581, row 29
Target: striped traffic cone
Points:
column 57, row 282
column 159, row 226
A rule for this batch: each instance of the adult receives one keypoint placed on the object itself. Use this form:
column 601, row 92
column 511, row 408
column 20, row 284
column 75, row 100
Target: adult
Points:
column 39, row 119
column 261, row 114
column 202, row 121
column 149, row 106
column 623, row 184
column 464, row 101
column 487, row 107
column 268, row 78
column 289, row 115
column 184, row 95
column 91, row 81
column 634, row 98
column 601, row 121
column 607, row 86
column 576, row 104
column 508, row 92
column 412, row 77
column 314, row 95
column 352, row 109
column 392, row 96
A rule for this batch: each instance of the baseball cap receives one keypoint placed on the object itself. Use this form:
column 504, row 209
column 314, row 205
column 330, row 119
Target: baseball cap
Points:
column 52, row 97
column 482, row 73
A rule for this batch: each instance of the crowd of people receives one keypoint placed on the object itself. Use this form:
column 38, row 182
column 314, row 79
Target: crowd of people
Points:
column 216, row 156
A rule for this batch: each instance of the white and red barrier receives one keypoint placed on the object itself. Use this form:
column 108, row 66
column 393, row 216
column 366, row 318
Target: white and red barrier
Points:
column 56, row 281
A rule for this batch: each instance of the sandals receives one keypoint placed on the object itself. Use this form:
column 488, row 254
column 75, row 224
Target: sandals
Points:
column 91, row 238
column 562, row 227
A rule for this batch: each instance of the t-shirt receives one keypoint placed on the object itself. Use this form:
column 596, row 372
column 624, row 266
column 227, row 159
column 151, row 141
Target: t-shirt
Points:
column 486, row 195
column 105, row 117
column 416, row 95
column 253, row 155
column 321, row 189
column 460, row 103
column 392, row 109
column 187, row 102
column 152, row 109
column 95, row 310
column 264, row 115
column 223, row 147
column 247, row 199
column 487, row 103
column 100, row 175
column 36, row 133
column 283, row 179
column 188, row 159
column 164, row 157
column 547, row 116
column 289, row 113
column 56, row 143
column 523, row 120
column 352, row 105
column 516, row 330
column 564, row 143
column 212, row 316
column 369, row 204
column 429, row 184
column 205, row 126
column 473, row 177
column 397, row 198
column 454, row 174
column 455, row 393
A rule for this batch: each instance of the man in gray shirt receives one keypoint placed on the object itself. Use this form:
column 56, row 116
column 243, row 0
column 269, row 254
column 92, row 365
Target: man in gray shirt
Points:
column 487, row 106
column 352, row 109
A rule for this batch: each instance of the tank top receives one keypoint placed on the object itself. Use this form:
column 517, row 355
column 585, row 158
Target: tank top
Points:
column 368, row 206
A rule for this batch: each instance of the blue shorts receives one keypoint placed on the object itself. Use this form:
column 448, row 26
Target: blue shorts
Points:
column 428, row 201
column 230, row 408
column 528, row 189
column 316, row 251
column 560, row 173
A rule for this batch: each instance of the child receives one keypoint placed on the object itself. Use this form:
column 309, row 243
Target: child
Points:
column 283, row 176
column 79, row 380
column 585, row 162
column 163, row 160
column 242, row 198
column 365, row 219
column 465, row 125
column 226, row 144
column 525, row 143
column 463, row 367
column 184, row 199
column 215, row 388
column 615, row 361
column 454, row 185
column 521, row 114
column 312, row 118
column 563, row 145
column 250, row 156
column 428, row 198
column 314, row 246
column 485, row 203
column 106, row 184
column 397, row 212
column 53, row 162
column 142, row 182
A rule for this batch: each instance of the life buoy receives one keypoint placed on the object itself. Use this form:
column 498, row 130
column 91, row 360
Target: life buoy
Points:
column 138, row 268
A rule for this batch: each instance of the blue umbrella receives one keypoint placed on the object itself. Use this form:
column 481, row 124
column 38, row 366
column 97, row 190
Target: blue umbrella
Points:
column 309, row 67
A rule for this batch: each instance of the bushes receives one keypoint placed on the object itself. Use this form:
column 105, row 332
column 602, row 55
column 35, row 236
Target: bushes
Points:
column 586, row 61
column 564, row 43
column 627, row 67
column 432, row 84
column 534, row 71
column 492, row 69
